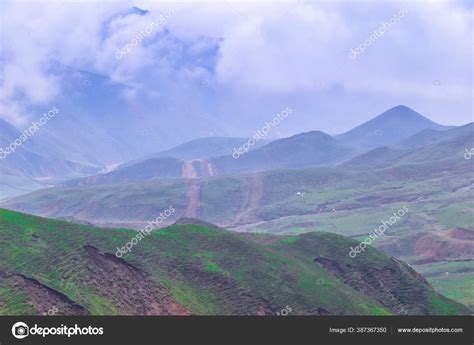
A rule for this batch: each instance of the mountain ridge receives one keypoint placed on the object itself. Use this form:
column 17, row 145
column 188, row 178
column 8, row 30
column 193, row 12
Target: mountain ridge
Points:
column 388, row 128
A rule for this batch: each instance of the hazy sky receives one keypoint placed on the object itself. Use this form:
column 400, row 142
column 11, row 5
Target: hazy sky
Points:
column 242, row 62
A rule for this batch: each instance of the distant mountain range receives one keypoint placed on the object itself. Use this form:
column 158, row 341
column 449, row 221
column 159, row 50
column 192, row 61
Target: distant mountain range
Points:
column 413, row 138
column 241, row 191
column 305, row 183
column 38, row 156
column 201, row 148
column 131, row 194
column 309, row 149
column 303, row 150
column 216, row 156
column 36, row 162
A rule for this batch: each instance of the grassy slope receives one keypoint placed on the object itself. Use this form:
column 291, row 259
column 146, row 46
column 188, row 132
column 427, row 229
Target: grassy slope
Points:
column 439, row 198
column 439, row 195
column 206, row 271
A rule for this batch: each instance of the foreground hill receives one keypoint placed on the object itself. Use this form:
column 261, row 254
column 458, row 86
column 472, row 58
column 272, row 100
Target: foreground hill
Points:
column 192, row 269
column 388, row 128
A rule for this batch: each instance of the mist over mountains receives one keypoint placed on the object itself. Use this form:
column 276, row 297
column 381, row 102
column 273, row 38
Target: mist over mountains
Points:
column 42, row 160
column 234, row 158
column 306, row 182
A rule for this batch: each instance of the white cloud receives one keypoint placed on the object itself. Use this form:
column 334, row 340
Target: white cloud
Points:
column 271, row 47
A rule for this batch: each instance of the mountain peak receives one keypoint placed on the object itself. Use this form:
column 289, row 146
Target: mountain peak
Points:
column 401, row 107
column 389, row 128
column 402, row 111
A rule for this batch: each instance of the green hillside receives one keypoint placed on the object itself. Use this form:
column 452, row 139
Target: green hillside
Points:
column 193, row 269
column 429, row 175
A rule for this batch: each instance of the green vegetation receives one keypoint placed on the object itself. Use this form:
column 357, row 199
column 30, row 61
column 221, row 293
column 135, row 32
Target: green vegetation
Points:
column 426, row 173
column 196, row 269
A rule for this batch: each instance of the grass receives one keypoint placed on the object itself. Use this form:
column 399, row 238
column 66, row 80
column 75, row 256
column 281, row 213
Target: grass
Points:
column 207, row 271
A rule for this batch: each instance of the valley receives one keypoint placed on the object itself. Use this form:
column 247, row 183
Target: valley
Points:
column 308, row 183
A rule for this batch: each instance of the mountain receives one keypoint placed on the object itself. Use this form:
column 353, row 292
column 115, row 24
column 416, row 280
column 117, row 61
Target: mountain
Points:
column 204, row 157
column 102, row 121
column 388, row 128
column 13, row 184
column 431, row 136
column 35, row 159
column 235, row 200
column 308, row 149
column 230, row 199
column 193, row 269
column 189, row 159
column 141, row 171
column 429, row 175
column 209, row 156
column 201, row 148
column 429, row 145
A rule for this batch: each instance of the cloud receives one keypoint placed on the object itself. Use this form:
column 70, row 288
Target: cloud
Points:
column 295, row 48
